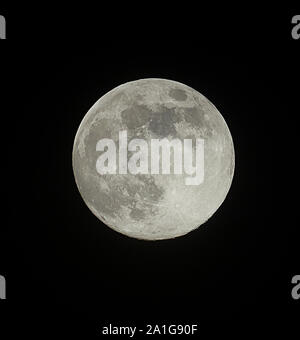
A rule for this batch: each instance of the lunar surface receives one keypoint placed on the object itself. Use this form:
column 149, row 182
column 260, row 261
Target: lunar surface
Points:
column 145, row 205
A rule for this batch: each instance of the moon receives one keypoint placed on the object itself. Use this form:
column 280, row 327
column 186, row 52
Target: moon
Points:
column 153, row 206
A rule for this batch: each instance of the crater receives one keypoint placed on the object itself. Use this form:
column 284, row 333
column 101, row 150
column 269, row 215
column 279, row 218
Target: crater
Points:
column 178, row 94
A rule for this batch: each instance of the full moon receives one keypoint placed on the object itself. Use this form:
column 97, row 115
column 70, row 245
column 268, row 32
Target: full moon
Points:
column 146, row 204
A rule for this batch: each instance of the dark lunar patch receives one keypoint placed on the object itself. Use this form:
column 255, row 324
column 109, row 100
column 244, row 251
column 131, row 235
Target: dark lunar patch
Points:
column 162, row 122
column 194, row 116
column 136, row 116
column 178, row 94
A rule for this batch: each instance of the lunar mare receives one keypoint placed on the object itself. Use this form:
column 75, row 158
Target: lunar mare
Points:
column 153, row 206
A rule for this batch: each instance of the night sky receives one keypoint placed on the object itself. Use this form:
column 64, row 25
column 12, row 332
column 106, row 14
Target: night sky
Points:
column 66, row 272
